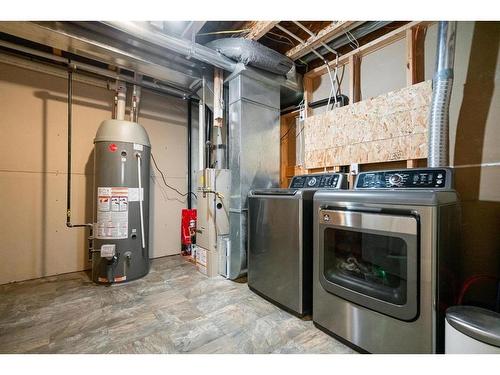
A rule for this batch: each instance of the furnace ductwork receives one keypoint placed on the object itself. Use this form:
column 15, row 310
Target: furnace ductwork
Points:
column 250, row 52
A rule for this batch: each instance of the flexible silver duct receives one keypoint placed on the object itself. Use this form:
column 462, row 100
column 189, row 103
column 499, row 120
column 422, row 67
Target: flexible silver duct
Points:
column 251, row 52
column 438, row 143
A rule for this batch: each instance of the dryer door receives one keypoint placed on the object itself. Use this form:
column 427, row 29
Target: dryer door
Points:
column 371, row 259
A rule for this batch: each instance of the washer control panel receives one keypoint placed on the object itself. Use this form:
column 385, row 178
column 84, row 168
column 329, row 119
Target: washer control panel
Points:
column 417, row 178
column 320, row 181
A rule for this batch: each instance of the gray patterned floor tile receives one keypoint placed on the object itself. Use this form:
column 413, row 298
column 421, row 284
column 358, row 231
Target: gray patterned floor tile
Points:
column 174, row 309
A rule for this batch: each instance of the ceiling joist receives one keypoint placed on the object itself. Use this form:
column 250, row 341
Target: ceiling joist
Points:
column 260, row 28
column 368, row 48
column 330, row 32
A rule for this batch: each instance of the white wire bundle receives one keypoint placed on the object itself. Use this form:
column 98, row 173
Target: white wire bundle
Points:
column 333, row 82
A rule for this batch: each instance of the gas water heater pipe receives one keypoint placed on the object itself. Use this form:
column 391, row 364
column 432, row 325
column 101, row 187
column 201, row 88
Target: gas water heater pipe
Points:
column 201, row 129
column 69, row 224
column 136, row 99
column 121, row 100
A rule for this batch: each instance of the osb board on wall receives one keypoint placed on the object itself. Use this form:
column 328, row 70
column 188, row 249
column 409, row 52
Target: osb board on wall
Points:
column 389, row 127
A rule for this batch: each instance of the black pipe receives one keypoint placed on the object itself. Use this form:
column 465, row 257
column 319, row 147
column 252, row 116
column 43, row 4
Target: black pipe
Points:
column 342, row 99
column 208, row 137
column 189, row 161
column 68, row 182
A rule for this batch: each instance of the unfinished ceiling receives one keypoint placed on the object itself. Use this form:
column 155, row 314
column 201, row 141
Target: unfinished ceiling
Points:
column 300, row 40
column 171, row 54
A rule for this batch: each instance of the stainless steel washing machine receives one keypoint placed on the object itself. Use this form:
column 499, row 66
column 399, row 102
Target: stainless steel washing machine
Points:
column 280, row 237
column 385, row 260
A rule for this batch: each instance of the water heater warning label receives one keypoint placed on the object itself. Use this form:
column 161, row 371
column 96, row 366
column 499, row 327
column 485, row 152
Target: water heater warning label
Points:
column 112, row 212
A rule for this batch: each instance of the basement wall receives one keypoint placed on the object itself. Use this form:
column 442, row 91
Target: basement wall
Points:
column 33, row 127
column 474, row 129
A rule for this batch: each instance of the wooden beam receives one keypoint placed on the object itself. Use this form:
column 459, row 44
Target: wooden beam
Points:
column 354, row 79
column 415, row 38
column 412, row 163
column 368, row 48
column 260, row 28
column 287, row 148
column 333, row 30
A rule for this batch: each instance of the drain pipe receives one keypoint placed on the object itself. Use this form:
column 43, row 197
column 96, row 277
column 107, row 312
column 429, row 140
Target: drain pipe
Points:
column 438, row 143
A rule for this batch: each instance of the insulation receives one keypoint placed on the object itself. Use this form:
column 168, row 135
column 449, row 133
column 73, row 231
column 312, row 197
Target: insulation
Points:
column 386, row 128
column 250, row 52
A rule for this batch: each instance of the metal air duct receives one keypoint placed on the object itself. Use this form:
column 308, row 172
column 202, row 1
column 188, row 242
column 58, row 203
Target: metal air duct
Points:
column 438, row 143
column 142, row 30
column 254, row 152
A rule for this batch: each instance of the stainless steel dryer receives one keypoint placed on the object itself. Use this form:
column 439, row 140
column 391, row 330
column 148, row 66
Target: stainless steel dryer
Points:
column 280, row 240
column 384, row 260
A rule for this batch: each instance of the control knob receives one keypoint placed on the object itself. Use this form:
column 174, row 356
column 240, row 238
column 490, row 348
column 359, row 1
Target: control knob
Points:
column 312, row 181
column 395, row 179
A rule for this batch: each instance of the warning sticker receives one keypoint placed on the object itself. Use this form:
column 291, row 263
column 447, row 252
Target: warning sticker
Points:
column 112, row 213
column 134, row 195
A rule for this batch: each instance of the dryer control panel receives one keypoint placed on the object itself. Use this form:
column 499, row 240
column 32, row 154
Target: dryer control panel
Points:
column 417, row 178
column 320, row 181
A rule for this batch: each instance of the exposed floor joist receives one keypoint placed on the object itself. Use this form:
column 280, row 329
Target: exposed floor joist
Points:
column 335, row 29
column 368, row 48
column 260, row 28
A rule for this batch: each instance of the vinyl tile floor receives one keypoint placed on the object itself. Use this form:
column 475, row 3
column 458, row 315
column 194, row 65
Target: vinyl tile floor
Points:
column 174, row 309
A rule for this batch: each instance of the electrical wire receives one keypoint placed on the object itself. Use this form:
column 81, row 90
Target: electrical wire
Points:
column 301, row 107
column 276, row 40
column 303, row 63
column 282, row 36
column 226, row 32
column 331, row 88
column 286, row 133
column 300, row 131
column 352, row 39
column 165, row 181
column 339, row 82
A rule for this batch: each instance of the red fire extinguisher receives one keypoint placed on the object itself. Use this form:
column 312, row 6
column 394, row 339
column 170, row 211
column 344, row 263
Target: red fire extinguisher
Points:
column 188, row 231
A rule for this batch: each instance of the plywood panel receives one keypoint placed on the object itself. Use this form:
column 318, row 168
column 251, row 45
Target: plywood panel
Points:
column 389, row 127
